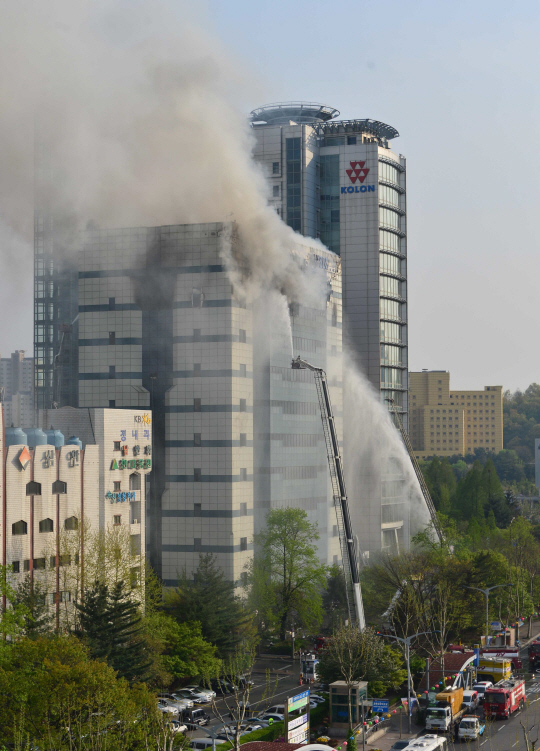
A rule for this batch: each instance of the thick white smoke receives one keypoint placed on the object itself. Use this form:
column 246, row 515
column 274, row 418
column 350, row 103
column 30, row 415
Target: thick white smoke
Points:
column 141, row 124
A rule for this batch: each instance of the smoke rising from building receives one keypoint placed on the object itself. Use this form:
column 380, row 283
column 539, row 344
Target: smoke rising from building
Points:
column 145, row 128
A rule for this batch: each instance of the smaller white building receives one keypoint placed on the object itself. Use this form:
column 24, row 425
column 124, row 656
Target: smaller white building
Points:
column 73, row 500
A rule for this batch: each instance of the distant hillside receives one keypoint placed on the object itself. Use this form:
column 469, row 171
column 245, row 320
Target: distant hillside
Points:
column 521, row 411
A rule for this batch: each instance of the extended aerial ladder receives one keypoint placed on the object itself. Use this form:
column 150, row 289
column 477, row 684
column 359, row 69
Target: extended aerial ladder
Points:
column 346, row 538
column 418, row 472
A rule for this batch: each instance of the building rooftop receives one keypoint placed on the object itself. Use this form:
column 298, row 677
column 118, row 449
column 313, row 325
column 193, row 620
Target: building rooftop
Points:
column 282, row 113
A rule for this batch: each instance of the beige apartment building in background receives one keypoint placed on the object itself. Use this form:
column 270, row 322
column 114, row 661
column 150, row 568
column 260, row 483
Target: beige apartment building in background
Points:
column 445, row 422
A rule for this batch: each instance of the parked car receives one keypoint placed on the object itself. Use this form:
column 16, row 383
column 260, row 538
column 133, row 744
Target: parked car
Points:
column 317, row 699
column 244, row 681
column 277, row 709
column 198, row 691
column 219, row 687
column 178, row 727
column 167, row 709
column 274, row 716
column 186, row 696
column 195, row 716
column 253, row 726
column 176, row 701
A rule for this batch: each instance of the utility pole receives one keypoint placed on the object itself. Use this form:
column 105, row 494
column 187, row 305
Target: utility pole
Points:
column 486, row 592
column 407, row 642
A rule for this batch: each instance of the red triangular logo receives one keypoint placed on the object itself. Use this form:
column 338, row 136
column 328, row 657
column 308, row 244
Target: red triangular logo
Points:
column 357, row 172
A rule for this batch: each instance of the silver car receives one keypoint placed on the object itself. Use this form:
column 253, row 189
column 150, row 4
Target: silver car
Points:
column 183, row 698
column 201, row 694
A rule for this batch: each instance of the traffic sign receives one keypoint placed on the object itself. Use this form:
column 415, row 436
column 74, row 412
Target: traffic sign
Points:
column 380, row 705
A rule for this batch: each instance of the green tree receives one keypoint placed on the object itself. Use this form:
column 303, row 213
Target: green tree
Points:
column 286, row 577
column 184, row 652
column 352, row 655
column 32, row 596
column 494, row 495
column 210, row 600
column 335, row 597
column 111, row 627
column 55, row 697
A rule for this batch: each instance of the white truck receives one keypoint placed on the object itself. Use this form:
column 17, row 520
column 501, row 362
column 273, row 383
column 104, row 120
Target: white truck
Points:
column 471, row 728
column 447, row 712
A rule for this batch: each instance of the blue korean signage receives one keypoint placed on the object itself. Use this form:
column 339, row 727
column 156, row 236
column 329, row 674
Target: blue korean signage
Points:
column 380, row 705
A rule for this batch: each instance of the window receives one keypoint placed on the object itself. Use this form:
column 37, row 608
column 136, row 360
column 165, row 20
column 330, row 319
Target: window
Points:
column 294, row 183
column 275, row 191
column 65, row 597
column 196, row 335
column 116, row 486
column 112, row 337
column 351, row 140
column 112, row 403
column 334, row 531
column 243, row 372
column 197, row 508
column 243, row 441
column 243, row 474
column 197, row 474
column 196, row 439
column 135, row 481
column 243, row 543
column 19, row 528
column 26, row 565
column 46, row 525
column 39, row 563
column 116, row 446
column 197, row 368
column 243, row 509
column 16, row 565
column 242, row 405
column 197, row 298
column 71, row 523
column 134, row 576
column 117, row 520
column 242, row 336
column 33, row 488
column 112, row 371
column 197, row 543
column 64, row 560
column 196, row 405
column 275, row 168
column 59, row 487
column 111, row 303
column 334, row 314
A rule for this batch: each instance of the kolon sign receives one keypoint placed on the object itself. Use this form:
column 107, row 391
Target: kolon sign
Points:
column 358, row 173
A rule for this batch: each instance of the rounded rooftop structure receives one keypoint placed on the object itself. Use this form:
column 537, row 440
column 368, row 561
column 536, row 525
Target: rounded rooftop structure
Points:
column 282, row 113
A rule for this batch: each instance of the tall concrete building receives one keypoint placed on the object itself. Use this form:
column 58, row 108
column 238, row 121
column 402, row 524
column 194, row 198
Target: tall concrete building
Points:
column 340, row 181
column 445, row 421
column 17, row 388
column 235, row 430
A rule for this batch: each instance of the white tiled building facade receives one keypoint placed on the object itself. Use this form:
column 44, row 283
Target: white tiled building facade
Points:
column 160, row 325
column 53, row 496
column 340, row 181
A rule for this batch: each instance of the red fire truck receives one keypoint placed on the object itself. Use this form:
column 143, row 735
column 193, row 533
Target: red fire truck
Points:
column 508, row 653
column 504, row 698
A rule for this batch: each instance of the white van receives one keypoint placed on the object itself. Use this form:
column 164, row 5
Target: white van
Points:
column 470, row 699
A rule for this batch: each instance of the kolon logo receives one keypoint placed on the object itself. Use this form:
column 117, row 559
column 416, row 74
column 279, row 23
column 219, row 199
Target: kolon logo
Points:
column 357, row 172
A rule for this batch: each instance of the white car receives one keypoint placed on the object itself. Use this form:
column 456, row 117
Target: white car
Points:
column 273, row 716
column 184, row 696
column 317, row 699
column 205, row 694
column 178, row 727
column 167, row 709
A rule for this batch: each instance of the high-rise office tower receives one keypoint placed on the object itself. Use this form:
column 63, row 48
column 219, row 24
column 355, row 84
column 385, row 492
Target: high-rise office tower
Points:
column 340, row 181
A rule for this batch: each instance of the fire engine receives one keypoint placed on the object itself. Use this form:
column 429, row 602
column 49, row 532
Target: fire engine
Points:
column 504, row 698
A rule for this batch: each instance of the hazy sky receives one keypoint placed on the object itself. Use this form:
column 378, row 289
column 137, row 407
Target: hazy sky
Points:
column 459, row 82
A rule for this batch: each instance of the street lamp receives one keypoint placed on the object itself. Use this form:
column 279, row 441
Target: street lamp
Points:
column 486, row 593
column 407, row 641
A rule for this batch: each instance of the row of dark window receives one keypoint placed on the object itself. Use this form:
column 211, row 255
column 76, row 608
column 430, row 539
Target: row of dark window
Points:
column 40, row 563
column 45, row 525
column 59, row 487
